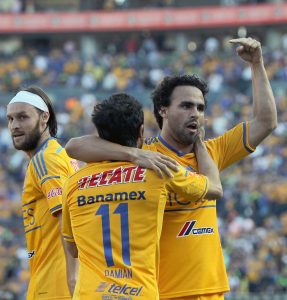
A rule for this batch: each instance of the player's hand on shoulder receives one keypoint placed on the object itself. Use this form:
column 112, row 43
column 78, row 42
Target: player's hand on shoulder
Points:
column 156, row 161
column 249, row 49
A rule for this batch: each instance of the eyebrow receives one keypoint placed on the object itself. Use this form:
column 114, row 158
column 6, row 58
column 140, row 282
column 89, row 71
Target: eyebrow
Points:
column 192, row 102
column 18, row 113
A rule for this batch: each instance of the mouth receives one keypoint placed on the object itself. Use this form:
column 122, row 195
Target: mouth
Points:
column 192, row 127
column 17, row 135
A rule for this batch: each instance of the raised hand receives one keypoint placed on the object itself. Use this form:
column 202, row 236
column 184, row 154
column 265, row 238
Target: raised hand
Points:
column 249, row 50
column 155, row 161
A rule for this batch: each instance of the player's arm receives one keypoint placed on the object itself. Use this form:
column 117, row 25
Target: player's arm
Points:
column 71, row 253
column 72, row 249
column 53, row 173
column 264, row 119
column 91, row 148
column 207, row 167
column 192, row 186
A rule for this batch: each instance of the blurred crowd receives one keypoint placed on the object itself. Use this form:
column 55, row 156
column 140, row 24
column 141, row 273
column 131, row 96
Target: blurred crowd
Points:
column 133, row 64
column 252, row 215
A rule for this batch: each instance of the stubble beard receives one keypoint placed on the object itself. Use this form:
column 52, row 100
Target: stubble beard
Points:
column 31, row 140
column 183, row 137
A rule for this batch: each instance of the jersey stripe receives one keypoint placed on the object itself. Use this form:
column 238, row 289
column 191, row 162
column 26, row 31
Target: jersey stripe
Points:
column 43, row 162
column 245, row 139
column 184, row 209
column 39, row 165
column 179, row 153
column 29, row 203
column 48, row 178
column 35, row 167
column 59, row 150
column 55, row 208
column 37, row 227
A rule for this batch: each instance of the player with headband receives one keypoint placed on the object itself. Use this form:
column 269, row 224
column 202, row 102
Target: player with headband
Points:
column 33, row 127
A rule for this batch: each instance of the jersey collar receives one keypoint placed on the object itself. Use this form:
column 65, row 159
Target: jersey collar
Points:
column 167, row 145
column 43, row 145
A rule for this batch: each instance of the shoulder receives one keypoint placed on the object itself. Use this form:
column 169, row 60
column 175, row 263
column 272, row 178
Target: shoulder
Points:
column 54, row 153
column 235, row 132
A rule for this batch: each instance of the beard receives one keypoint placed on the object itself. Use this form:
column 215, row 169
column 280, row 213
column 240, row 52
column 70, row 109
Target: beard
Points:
column 31, row 139
column 182, row 136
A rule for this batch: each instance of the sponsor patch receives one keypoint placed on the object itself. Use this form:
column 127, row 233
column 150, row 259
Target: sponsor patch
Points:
column 115, row 176
column 189, row 228
column 54, row 192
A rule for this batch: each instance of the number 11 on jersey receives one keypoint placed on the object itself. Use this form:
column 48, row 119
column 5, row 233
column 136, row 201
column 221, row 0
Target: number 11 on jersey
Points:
column 122, row 210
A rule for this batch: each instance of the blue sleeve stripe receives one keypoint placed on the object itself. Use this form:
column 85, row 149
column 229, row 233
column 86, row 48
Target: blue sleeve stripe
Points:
column 245, row 138
column 37, row 227
column 55, row 208
column 43, row 162
column 59, row 149
column 48, row 178
column 35, row 167
column 190, row 209
column 39, row 165
column 29, row 203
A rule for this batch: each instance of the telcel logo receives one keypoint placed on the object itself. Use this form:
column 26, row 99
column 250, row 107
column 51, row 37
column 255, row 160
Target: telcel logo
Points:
column 125, row 290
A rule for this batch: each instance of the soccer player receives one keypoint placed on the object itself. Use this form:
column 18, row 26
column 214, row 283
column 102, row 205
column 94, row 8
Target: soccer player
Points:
column 192, row 265
column 33, row 127
column 113, row 211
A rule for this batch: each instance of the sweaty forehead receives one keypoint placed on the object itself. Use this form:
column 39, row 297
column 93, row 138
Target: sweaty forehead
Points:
column 16, row 108
column 187, row 93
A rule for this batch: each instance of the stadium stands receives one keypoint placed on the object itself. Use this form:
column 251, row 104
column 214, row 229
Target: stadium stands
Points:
column 253, row 214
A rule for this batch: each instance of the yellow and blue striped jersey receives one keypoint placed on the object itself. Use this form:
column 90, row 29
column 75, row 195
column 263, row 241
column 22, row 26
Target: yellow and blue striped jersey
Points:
column 113, row 211
column 41, row 199
column 191, row 259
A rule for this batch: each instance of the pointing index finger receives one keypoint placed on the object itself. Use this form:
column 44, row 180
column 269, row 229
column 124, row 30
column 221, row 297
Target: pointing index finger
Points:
column 234, row 41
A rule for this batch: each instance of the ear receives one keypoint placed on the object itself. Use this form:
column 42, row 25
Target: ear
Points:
column 140, row 136
column 45, row 117
column 163, row 112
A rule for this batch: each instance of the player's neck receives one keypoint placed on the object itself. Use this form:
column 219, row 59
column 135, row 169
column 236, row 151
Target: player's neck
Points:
column 43, row 138
column 175, row 143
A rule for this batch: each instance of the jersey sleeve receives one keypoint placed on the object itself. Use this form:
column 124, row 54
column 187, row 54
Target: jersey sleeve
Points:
column 230, row 147
column 67, row 232
column 51, row 172
column 188, row 185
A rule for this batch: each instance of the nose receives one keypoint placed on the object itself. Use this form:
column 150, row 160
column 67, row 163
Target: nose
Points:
column 14, row 125
column 194, row 112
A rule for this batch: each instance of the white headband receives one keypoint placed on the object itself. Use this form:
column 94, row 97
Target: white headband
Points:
column 30, row 98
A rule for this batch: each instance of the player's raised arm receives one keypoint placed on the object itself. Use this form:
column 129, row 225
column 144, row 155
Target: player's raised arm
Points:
column 91, row 148
column 264, row 110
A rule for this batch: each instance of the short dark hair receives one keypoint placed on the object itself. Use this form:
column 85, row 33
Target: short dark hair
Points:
column 118, row 119
column 161, row 94
column 52, row 122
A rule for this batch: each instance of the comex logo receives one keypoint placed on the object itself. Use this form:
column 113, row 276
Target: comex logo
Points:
column 188, row 228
